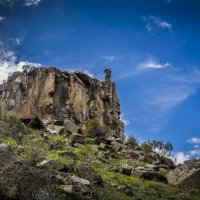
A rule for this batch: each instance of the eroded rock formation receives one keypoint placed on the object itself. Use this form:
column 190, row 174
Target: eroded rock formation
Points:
column 48, row 94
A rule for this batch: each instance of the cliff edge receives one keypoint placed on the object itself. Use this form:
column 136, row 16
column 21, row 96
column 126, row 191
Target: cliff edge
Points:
column 49, row 95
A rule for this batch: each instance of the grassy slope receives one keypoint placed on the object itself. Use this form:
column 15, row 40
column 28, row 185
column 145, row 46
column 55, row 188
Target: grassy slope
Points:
column 113, row 182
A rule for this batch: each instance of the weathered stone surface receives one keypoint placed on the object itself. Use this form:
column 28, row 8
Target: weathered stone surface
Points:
column 70, row 126
column 126, row 169
column 19, row 181
column 186, row 175
column 87, row 172
column 77, row 138
column 50, row 94
column 153, row 176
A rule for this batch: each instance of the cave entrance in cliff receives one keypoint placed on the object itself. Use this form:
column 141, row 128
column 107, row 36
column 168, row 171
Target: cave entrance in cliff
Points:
column 33, row 123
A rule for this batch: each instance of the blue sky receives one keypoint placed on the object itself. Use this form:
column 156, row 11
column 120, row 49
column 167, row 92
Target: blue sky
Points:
column 152, row 47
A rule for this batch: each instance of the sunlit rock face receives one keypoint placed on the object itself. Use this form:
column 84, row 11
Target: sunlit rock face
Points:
column 48, row 94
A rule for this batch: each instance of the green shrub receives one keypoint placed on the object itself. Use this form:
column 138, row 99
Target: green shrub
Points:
column 13, row 127
column 35, row 150
column 146, row 148
column 95, row 129
column 132, row 143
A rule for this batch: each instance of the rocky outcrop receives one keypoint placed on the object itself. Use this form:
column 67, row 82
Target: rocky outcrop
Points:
column 186, row 175
column 48, row 95
column 50, row 180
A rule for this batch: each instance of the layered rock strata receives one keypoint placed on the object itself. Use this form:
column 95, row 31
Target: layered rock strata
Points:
column 46, row 95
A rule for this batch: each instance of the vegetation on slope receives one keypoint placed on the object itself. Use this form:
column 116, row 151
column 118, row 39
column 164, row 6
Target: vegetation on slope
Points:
column 34, row 147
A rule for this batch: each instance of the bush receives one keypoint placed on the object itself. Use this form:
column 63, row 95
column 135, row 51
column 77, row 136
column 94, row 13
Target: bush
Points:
column 35, row 150
column 94, row 129
column 146, row 148
column 132, row 143
column 13, row 127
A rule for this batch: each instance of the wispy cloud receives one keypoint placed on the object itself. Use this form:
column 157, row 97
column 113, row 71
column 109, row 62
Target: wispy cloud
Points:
column 11, row 3
column 160, row 87
column 148, row 65
column 2, row 19
column 152, row 22
column 108, row 58
column 160, row 23
column 152, row 63
column 16, row 41
column 168, row 96
column 32, row 2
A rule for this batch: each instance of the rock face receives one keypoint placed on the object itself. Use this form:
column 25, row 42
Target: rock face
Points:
column 186, row 175
column 48, row 94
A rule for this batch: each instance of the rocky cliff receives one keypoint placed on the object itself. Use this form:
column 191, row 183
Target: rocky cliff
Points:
column 46, row 95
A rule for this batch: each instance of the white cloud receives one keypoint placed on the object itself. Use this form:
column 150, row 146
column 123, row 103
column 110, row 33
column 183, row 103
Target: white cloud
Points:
column 32, row 2
column 152, row 22
column 148, row 65
column 152, row 63
column 194, row 140
column 193, row 153
column 160, row 23
column 180, row 157
column 9, row 62
column 108, row 58
column 2, row 19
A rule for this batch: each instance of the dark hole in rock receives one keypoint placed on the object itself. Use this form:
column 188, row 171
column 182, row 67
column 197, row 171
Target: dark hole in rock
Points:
column 51, row 94
column 34, row 123
column 59, row 122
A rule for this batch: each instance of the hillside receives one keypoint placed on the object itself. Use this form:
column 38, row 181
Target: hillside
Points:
column 61, row 137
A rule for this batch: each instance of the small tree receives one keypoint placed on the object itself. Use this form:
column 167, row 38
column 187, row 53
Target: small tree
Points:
column 132, row 142
column 94, row 129
column 163, row 149
column 146, row 148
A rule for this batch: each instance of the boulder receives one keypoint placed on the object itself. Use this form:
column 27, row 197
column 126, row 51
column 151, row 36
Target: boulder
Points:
column 126, row 169
column 77, row 138
column 153, row 176
column 4, row 146
column 70, row 126
column 186, row 175
column 55, row 165
column 55, row 129
column 19, row 181
column 116, row 146
column 87, row 172
column 102, row 147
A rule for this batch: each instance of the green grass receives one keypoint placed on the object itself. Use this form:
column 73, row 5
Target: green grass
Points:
column 56, row 138
column 147, row 190
column 55, row 154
